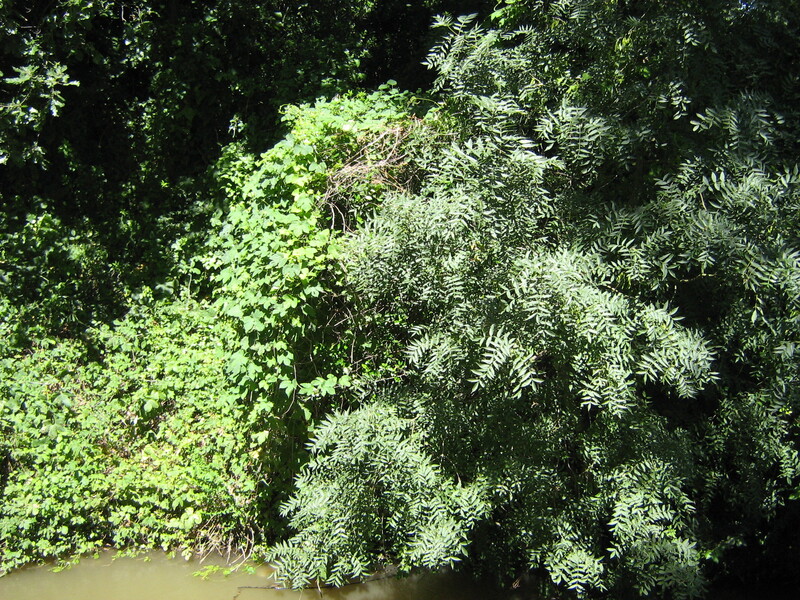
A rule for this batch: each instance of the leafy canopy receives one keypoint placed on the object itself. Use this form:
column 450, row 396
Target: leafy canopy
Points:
column 596, row 288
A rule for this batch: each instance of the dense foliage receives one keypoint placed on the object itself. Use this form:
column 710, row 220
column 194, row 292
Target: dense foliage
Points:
column 215, row 392
column 543, row 321
column 148, row 448
column 597, row 288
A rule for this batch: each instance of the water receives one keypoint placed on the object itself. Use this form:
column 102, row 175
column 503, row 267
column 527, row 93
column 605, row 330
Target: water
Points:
column 156, row 577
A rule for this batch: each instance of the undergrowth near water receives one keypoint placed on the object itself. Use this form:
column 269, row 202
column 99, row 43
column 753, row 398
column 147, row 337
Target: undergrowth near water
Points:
column 180, row 425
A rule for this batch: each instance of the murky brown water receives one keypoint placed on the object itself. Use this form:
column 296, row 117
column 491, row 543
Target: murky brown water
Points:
column 156, row 577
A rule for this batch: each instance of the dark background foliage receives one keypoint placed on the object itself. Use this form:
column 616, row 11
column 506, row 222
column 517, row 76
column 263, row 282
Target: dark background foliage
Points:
column 119, row 109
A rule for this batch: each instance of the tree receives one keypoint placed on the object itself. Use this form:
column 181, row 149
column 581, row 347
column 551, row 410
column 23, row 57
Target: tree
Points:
column 596, row 289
